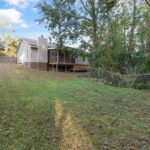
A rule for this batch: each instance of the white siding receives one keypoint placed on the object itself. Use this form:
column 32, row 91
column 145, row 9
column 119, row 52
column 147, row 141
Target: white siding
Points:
column 26, row 53
column 42, row 50
column 34, row 55
column 23, row 52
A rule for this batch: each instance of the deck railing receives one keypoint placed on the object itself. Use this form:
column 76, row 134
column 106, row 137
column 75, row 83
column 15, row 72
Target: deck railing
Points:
column 62, row 60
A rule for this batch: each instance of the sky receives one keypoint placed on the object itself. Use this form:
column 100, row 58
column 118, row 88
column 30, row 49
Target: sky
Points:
column 17, row 18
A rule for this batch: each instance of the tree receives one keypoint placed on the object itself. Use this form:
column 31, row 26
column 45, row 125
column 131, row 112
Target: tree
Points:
column 76, row 20
column 116, row 33
column 10, row 45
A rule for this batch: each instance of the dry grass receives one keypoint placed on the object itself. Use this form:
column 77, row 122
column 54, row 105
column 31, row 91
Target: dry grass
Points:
column 73, row 135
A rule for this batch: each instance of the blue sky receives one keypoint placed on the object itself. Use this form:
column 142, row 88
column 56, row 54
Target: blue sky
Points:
column 17, row 17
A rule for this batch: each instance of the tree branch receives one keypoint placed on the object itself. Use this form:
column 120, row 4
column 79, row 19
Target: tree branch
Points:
column 148, row 2
column 85, row 7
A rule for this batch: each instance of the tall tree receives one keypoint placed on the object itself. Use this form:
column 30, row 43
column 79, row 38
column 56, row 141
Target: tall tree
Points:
column 76, row 19
column 133, row 26
column 116, row 32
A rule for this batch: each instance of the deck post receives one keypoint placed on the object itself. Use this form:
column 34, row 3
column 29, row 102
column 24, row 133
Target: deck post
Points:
column 64, row 57
column 57, row 67
column 52, row 67
column 57, row 56
column 65, row 68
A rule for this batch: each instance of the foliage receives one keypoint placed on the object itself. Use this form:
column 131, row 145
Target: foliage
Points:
column 73, row 20
column 130, row 81
column 115, row 80
column 116, row 33
column 10, row 44
column 142, row 82
column 2, row 53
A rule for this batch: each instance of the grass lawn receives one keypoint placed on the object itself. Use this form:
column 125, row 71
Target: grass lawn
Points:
column 59, row 111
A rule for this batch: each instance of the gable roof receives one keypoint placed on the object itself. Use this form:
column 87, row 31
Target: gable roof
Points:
column 33, row 43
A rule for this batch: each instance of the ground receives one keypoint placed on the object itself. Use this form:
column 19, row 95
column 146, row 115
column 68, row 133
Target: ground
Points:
column 60, row 111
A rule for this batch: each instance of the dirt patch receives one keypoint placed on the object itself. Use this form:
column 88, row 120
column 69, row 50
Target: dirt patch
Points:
column 74, row 137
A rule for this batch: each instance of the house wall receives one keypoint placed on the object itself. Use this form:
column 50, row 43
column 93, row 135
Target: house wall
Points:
column 42, row 53
column 38, row 57
column 23, row 54
column 42, row 49
column 34, row 55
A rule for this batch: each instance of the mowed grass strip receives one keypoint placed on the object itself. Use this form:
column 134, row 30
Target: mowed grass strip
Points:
column 48, row 111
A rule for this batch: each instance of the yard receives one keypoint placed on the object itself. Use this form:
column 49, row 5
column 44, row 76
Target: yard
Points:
column 52, row 111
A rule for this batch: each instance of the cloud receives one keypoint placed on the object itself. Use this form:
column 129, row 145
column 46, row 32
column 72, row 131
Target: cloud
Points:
column 14, row 2
column 11, row 17
column 24, row 25
column 20, row 3
column 35, row 10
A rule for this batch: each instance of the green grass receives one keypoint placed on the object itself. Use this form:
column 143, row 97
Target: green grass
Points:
column 48, row 111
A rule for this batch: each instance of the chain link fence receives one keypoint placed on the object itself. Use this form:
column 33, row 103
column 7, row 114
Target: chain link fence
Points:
column 8, row 60
column 138, row 81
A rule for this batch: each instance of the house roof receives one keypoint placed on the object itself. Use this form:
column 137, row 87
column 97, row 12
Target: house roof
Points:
column 33, row 43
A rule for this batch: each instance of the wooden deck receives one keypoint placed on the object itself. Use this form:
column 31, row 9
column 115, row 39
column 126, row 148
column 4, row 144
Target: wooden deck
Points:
column 80, row 67
column 64, row 62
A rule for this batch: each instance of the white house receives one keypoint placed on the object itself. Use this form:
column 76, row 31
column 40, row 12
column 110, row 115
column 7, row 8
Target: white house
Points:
column 42, row 55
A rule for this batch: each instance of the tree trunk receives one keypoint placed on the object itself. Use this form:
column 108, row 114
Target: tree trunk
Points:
column 94, row 25
column 132, row 36
column 131, row 47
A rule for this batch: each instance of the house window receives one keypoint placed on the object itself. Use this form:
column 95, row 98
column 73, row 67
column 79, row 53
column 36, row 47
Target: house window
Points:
column 53, row 53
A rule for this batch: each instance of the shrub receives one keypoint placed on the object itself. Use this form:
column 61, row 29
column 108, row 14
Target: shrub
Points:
column 115, row 79
column 142, row 82
column 133, row 81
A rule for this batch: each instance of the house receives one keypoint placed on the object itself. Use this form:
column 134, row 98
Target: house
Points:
column 40, row 54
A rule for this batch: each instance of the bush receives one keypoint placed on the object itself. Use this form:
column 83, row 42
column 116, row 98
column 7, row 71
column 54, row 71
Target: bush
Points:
column 142, row 82
column 118, row 80
column 114, row 79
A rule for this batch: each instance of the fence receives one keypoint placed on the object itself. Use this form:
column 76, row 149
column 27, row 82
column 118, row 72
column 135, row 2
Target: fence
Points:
column 8, row 60
column 139, row 81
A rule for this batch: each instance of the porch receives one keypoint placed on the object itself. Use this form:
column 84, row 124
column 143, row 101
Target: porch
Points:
column 58, row 60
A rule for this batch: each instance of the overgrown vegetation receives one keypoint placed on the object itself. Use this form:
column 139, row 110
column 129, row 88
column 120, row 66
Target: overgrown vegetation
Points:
column 49, row 110
column 130, row 81
column 10, row 45
column 116, row 32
